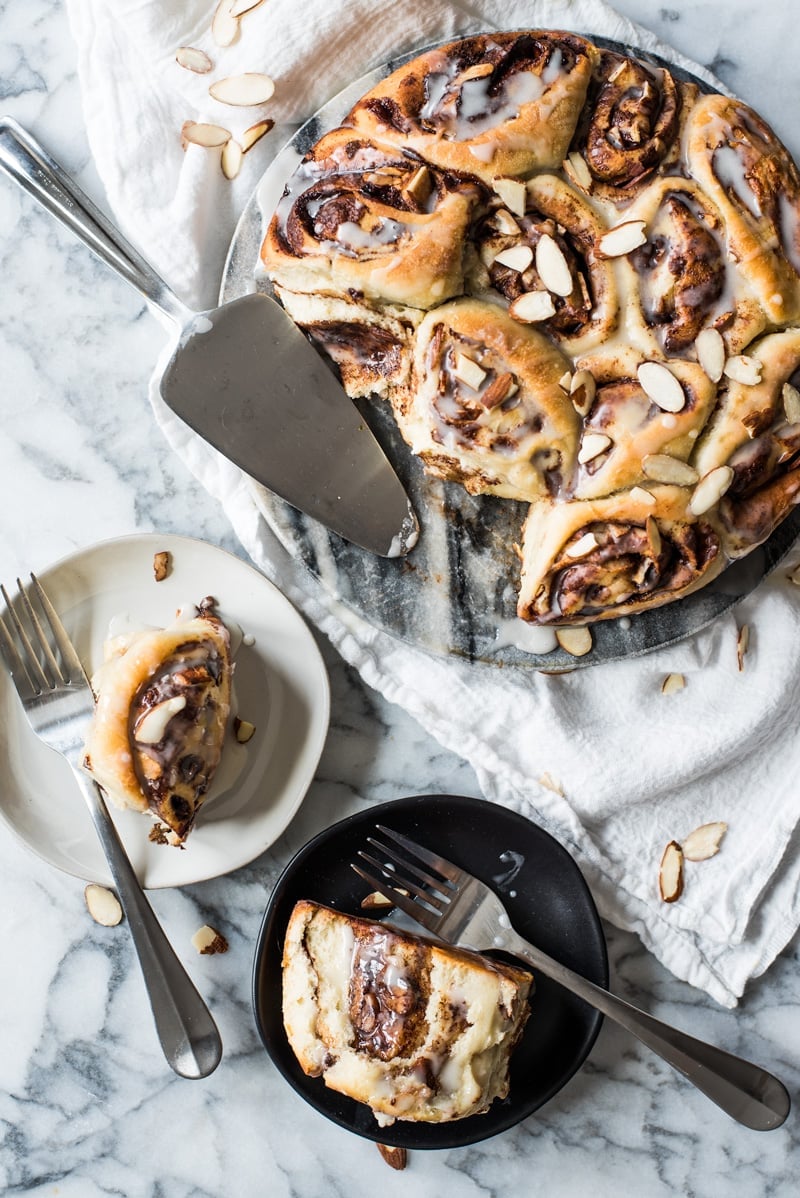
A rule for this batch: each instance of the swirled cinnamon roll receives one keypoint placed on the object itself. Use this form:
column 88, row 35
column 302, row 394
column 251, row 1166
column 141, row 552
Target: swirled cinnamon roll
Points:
column 686, row 279
column 487, row 409
column 495, row 105
column 750, row 176
column 585, row 300
column 356, row 216
column 630, row 126
column 598, row 559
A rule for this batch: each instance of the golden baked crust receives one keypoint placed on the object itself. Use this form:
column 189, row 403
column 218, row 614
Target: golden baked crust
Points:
column 615, row 305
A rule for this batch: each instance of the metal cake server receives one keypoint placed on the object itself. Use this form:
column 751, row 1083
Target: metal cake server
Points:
column 245, row 378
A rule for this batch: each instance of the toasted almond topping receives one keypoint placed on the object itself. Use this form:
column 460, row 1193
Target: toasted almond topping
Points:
column 479, row 71
column 161, row 565
column 641, row 495
column 742, row 645
column 576, row 640
column 254, row 134
column 743, row 369
column 504, row 223
column 152, row 727
column 670, row 874
column 576, row 166
column 240, row 7
column 673, row 683
column 103, row 905
column 582, row 546
column 791, row 403
column 420, row 185
column 376, row 901
column 552, row 266
column 516, row 257
column 532, row 307
column 549, row 783
column 243, row 91
column 710, row 349
column 497, row 390
column 794, row 576
column 592, row 445
column 232, row 154
column 210, row 137
column 622, row 239
column 704, row 842
column 663, row 468
column 710, row 489
column 208, row 941
column 224, row 27
column 512, row 193
column 582, row 391
column 396, row 1157
column 653, row 535
column 661, row 386
column 467, row 371
column 618, row 69
column 565, row 382
column 243, row 730
column 193, row 60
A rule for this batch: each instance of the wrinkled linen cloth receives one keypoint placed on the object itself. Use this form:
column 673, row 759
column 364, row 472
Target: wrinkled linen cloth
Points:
column 625, row 768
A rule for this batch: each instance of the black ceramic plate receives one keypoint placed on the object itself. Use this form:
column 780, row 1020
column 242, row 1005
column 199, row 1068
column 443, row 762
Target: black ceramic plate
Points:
column 548, row 901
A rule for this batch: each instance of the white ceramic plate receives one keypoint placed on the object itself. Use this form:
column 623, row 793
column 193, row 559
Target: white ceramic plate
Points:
column 280, row 685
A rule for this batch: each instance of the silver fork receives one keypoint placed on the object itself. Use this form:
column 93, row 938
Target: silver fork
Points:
column 460, row 909
column 58, row 702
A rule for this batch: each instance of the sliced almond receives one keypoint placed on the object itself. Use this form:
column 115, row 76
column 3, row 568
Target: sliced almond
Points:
column 468, row 372
column 504, row 223
column 193, row 59
column 743, row 369
column 576, row 166
column 224, row 27
column 670, row 874
column 394, row 1156
column 152, row 727
column 710, row 349
column 653, row 536
column 592, row 445
column 208, row 941
column 582, row 391
column 565, row 382
column 210, row 137
column 103, row 905
column 622, row 239
column 240, row 7
column 552, row 267
column 710, row 489
column 375, row 901
column 791, row 403
column 673, row 683
column 479, row 71
column 232, row 154
column 254, row 134
column 577, row 640
column 243, row 91
column 641, row 495
column 512, row 193
column 420, row 185
column 497, row 391
column 161, row 565
column 550, row 783
column 742, row 644
column 704, row 842
column 533, row 307
column 661, row 386
column 243, row 730
column 794, row 576
column 663, row 468
column 582, row 546
column 516, row 257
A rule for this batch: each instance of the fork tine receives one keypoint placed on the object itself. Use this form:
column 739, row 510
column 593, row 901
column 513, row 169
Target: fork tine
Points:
column 58, row 674
column 442, row 866
column 33, row 668
column 398, row 861
column 415, row 910
column 396, row 879
column 69, row 656
column 16, row 666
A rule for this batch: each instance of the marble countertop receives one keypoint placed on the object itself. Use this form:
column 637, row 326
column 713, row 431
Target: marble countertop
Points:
column 87, row 1105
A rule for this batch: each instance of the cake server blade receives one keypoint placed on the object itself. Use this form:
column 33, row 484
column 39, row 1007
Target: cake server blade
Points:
column 245, row 378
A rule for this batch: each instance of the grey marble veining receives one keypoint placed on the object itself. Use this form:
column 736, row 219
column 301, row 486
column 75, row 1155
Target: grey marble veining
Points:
column 87, row 1105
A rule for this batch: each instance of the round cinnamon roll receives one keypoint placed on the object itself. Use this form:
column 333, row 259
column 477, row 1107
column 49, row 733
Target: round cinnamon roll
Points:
column 598, row 559
column 487, row 409
column 356, row 216
column 493, row 105
column 751, row 178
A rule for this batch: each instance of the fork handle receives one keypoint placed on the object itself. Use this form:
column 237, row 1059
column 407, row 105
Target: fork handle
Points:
column 187, row 1032
column 744, row 1091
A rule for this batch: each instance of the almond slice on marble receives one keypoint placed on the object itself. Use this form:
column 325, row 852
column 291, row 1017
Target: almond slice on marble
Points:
column 672, row 684
column 533, row 307
column 210, row 137
column 232, row 154
column 550, row 783
column 103, row 905
column 467, row 371
column 791, row 403
column 642, row 495
column 504, row 223
column 512, row 193
column 670, row 873
column 243, row 91
column 576, row 166
column 577, row 640
column 704, row 842
column 224, row 27
column 254, row 134
column 710, row 489
column 661, row 386
column 743, row 369
column 552, row 267
column 663, row 468
column 582, row 546
column 516, row 257
column 239, row 7
column 711, row 353
column 192, row 59
column 582, row 391
column 622, row 239
column 396, row 1157
column 592, row 445
column 742, row 645
column 208, row 941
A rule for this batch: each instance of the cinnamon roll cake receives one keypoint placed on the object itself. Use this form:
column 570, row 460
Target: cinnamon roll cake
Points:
column 576, row 280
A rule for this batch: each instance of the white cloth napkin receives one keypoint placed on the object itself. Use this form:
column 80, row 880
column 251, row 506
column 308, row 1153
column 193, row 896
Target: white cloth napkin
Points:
column 633, row 769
